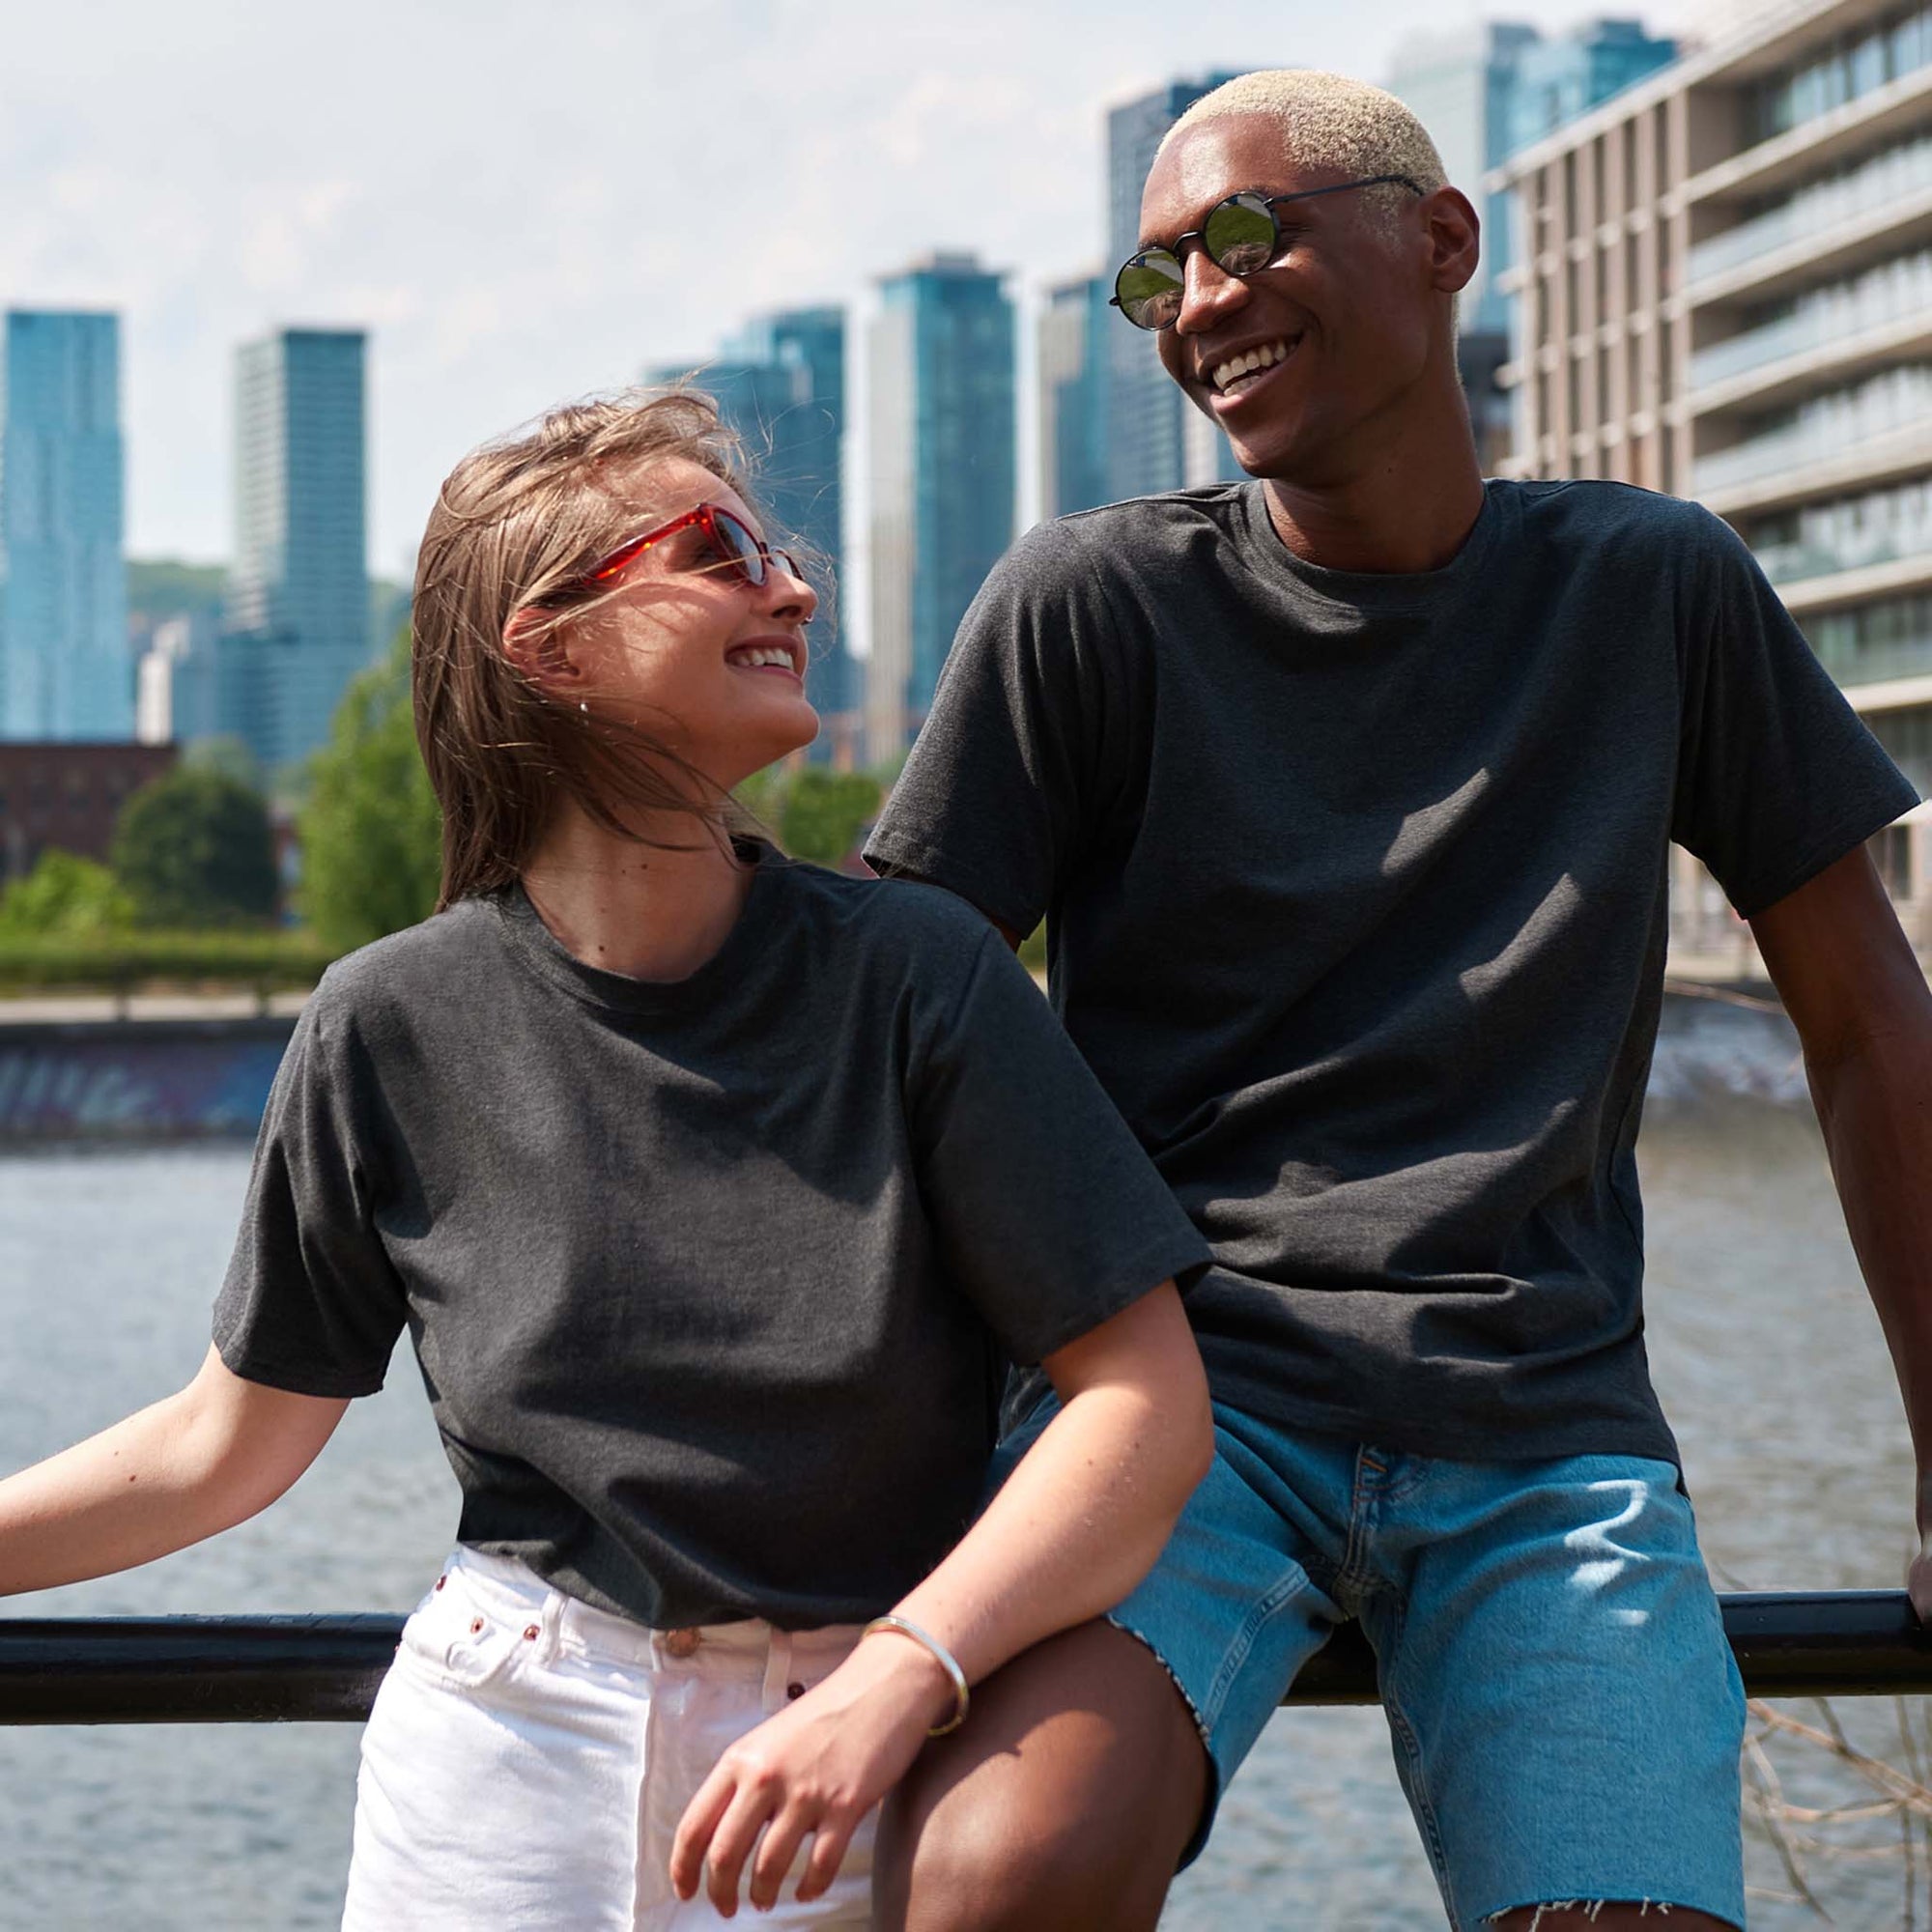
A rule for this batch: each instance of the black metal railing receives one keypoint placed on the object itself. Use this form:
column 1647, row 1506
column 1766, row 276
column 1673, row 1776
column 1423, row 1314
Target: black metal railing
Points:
column 191, row 1670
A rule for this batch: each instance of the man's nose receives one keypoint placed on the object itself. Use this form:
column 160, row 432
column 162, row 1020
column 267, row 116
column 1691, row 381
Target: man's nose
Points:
column 1207, row 293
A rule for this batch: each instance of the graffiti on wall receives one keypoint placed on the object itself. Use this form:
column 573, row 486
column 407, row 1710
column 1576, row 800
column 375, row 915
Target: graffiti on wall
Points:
column 137, row 1079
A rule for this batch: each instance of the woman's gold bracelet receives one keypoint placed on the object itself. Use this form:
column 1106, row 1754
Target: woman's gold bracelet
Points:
column 962, row 1697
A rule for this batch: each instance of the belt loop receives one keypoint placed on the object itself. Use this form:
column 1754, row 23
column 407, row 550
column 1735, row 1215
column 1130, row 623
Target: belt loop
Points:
column 778, row 1668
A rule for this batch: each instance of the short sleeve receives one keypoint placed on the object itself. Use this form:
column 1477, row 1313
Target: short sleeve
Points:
column 311, row 1302
column 1778, row 776
column 1049, row 1215
column 1024, row 753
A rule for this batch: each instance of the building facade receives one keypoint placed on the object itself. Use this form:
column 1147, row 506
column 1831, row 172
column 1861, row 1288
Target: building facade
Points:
column 1725, row 291
column 65, row 667
column 943, row 473
column 297, row 615
column 1155, row 438
column 780, row 384
column 1074, row 326
column 66, row 797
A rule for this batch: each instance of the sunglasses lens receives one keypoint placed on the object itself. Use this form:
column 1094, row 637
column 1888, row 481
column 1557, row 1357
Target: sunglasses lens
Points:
column 740, row 546
column 1241, row 235
column 1149, row 288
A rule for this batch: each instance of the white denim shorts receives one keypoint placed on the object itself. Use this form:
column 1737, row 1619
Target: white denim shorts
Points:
column 529, row 1757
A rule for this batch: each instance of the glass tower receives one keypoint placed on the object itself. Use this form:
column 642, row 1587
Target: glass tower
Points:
column 299, row 591
column 1074, row 326
column 64, row 670
column 780, row 384
column 942, row 474
column 1155, row 438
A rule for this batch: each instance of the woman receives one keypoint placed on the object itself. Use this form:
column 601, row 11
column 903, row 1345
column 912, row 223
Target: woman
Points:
column 715, row 1192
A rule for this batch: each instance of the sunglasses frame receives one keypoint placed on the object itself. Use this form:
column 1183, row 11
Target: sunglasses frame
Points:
column 1247, row 198
column 707, row 517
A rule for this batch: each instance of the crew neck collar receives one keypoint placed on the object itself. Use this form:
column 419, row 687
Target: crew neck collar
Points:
column 1373, row 589
column 618, row 992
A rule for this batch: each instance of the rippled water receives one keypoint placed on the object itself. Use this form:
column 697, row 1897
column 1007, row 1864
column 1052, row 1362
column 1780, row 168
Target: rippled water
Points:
column 1765, row 1349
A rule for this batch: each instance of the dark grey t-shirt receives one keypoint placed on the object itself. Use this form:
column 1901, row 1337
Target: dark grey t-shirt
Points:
column 712, row 1284
column 1355, row 898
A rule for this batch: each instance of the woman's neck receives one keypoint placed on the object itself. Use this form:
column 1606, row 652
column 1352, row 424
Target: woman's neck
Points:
column 646, row 911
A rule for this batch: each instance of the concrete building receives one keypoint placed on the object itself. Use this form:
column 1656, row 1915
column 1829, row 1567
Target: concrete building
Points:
column 1723, row 290
column 65, row 671
column 1157, row 439
column 942, row 474
column 1483, row 90
column 1074, row 329
column 780, row 384
column 298, row 595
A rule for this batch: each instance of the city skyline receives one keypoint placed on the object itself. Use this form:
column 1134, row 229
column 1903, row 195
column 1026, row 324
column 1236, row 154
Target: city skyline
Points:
column 504, row 270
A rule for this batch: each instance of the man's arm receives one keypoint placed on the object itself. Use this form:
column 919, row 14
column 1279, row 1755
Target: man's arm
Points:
column 1863, row 1013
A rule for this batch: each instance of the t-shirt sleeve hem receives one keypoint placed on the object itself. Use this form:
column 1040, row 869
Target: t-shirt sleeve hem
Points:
column 1847, row 833
column 888, row 853
column 1182, row 1261
column 307, row 1380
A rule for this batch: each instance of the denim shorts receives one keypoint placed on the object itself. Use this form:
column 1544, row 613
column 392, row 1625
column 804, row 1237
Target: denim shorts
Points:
column 1565, row 1713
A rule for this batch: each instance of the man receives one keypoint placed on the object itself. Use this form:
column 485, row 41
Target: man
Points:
column 1347, row 794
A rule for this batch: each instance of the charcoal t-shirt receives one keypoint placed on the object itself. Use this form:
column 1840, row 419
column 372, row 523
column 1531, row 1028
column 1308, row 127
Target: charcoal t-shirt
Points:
column 713, row 1284
column 1355, row 892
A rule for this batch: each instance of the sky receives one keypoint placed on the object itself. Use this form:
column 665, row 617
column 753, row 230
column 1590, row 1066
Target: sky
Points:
column 524, row 204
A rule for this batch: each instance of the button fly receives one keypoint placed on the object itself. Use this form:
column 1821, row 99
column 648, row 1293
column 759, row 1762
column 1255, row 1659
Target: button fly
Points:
column 680, row 1642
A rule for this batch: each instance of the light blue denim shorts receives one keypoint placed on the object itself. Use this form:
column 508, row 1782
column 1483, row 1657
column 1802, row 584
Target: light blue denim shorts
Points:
column 1563, row 1706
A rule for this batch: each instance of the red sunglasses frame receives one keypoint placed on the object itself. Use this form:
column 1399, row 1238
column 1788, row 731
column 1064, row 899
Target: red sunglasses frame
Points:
column 707, row 517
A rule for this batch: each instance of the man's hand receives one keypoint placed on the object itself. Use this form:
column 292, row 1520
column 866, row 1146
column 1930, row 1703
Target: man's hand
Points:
column 813, row 1770
column 1863, row 1010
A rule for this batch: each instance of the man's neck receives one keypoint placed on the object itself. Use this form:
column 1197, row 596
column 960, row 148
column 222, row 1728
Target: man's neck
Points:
column 652, row 912
column 1405, row 508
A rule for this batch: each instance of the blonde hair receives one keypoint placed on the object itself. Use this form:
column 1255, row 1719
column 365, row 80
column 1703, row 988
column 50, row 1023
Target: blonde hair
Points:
column 516, row 526
column 1330, row 122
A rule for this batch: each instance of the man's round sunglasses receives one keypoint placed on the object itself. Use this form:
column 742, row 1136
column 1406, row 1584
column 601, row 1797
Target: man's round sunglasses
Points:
column 1239, row 236
column 740, row 550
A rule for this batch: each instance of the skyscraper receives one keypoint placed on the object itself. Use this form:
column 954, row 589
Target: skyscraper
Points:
column 1157, row 439
column 65, row 671
column 780, row 384
column 942, row 472
column 299, row 593
column 1073, row 339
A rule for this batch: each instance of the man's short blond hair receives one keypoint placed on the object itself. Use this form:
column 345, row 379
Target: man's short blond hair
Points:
column 1328, row 122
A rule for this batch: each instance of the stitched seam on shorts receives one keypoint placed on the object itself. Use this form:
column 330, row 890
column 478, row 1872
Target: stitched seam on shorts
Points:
column 1427, row 1826
column 1252, row 1624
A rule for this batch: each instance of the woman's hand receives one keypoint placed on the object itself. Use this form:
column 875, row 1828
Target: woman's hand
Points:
column 815, row 1768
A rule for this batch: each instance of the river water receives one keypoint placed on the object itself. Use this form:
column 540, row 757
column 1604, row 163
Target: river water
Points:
column 1765, row 1351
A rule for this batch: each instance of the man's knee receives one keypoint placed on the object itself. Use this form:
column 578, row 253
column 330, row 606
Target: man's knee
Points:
column 1064, row 1804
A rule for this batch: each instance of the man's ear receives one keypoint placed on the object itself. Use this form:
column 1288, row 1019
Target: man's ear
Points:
column 534, row 643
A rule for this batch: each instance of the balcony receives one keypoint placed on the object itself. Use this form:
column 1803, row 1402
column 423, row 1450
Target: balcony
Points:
column 1829, row 228
column 1877, row 662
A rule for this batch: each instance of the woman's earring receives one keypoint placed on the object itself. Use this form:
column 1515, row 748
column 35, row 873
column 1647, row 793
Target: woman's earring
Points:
column 583, row 705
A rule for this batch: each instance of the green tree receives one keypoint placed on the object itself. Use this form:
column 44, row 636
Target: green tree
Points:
column 371, row 834
column 194, row 848
column 68, row 897
column 823, row 812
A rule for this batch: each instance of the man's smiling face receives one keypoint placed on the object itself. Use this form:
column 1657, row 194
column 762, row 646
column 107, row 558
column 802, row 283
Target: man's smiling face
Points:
column 1294, row 360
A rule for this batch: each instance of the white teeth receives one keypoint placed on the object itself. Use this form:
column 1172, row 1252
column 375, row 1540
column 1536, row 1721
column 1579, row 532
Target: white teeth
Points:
column 1246, row 363
column 762, row 656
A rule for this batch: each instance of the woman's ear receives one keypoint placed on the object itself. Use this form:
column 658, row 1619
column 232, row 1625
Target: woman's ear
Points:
column 534, row 643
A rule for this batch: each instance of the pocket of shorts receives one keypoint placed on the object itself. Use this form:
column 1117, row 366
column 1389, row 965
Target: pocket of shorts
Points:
column 458, row 1641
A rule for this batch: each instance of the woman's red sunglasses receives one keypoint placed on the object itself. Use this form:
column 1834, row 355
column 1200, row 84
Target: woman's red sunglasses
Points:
column 735, row 546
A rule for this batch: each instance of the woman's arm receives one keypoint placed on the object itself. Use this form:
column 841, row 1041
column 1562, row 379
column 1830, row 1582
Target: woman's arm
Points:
column 202, row 1461
column 1077, row 1525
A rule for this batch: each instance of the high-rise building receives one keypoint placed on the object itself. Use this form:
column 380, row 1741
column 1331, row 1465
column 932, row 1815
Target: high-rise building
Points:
column 780, row 384
column 65, row 668
column 299, row 593
column 1157, row 439
column 1074, row 324
column 942, row 475
column 1724, row 289
column 1484, row 91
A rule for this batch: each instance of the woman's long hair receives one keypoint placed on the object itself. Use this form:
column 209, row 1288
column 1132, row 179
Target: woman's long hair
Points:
column 516, row 525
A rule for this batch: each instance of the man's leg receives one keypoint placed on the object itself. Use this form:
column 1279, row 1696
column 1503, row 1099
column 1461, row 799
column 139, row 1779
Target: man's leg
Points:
column 1080, row 1782
column 1564, row 1708
column 1065, row 1803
